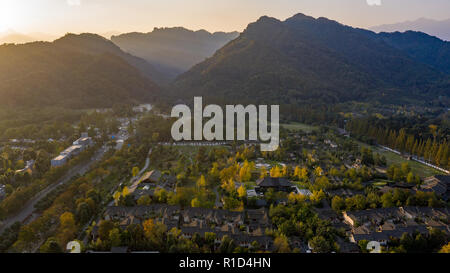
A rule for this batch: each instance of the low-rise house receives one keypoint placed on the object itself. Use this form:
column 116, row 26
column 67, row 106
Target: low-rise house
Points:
column 275, row 183
column 258, row 221
column 439, row 184
column 151, row 177
column 28, row 167
column 344, row 192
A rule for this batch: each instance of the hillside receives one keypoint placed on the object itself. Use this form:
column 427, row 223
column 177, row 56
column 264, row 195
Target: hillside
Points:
column 422, row 47
column 173, row 50
column 303, row 59
column 77, row 71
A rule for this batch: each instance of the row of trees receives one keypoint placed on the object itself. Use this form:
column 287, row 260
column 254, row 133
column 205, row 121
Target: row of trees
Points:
column 434, row 149
column 395, row 198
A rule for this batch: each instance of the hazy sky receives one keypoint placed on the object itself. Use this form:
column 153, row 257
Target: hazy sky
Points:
column 61, row 16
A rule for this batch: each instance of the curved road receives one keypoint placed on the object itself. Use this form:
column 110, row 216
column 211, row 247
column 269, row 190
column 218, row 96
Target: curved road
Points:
column 28, row 209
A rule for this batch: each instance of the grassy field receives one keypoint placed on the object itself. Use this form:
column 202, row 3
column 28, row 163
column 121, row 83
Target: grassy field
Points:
column 393, row 158
column 300, row 126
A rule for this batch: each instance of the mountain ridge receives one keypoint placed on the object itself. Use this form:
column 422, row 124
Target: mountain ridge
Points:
column 70, row 74
column 305, row 59
column 437, row 28
column 173, row 50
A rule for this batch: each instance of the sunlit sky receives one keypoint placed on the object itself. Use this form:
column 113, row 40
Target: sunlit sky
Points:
column 57, row 17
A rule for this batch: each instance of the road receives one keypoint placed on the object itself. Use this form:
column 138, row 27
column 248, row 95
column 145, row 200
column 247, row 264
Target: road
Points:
column 133, row 179
column 28, row 209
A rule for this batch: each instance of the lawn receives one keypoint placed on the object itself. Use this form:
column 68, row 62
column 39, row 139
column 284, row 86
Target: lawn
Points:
column 300, row 126
column 393, row 158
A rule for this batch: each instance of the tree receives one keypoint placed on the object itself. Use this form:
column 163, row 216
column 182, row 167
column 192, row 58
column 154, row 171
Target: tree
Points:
column 410, row 178
column 144, row 200
column 154, row 232
column 320, row 245
column 116, row 197
column 281, row 244
column 114, row 237
column 229, row 185
column 195, row 203
column 304, row 174
column 387, row 200
column 445, row 249
column 245, row 173
column 337, row 203
column 104, row 228
column 51, row 246
column 318, row 171
column 227, row 245
column 275, row 172
column 297, row 172
column 317, row 196
column 125, row 191
column 263, row 172
column 201, row 182
column 135, row 171
column 242, row 193
column 83, row 212
column 67, row 228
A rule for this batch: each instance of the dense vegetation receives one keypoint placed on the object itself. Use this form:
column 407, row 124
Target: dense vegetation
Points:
column 173, row 50
column 304, row 59
column 75, row 71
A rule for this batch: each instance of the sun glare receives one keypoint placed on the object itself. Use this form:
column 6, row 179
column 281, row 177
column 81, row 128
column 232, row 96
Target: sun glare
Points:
column 8, row 16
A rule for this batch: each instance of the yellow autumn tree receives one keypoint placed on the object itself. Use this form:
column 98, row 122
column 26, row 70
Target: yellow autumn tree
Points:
column 317, row 196
column 318, row 171
column 304, row 174
column 297, row 172
column 263, row 172
column 214, row 172
column 275, row 172
column 285, row 171
column 229, row 185
column 242, row 193
column 245, row 173
column 116, row 197
column 125, row 191
column 296, row 198
column 195, row 203
column 201, row 182
column 445, row 249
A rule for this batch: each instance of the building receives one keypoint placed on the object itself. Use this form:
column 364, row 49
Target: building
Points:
column 2, row 191
column 28, row 167
column 385, row 223
column 151, row 177
column 275, row 183
column 78, row 146
column 245, row 227
column 438, row 184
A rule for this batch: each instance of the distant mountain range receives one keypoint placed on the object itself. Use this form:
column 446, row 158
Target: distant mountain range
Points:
column 440, row 29
column 303, row 59
column 173, row 50
column 13, row 37
column 78, row 71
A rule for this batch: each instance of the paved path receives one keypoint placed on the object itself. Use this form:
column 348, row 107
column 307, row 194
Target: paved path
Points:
column 27, row 211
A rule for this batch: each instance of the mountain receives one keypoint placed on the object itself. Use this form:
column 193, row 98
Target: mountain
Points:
column 77, row 71
column 173, row 50
column 11, row 37
column 422, row 47
column 303, row 59
column 95, row 44
column 436, row 28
